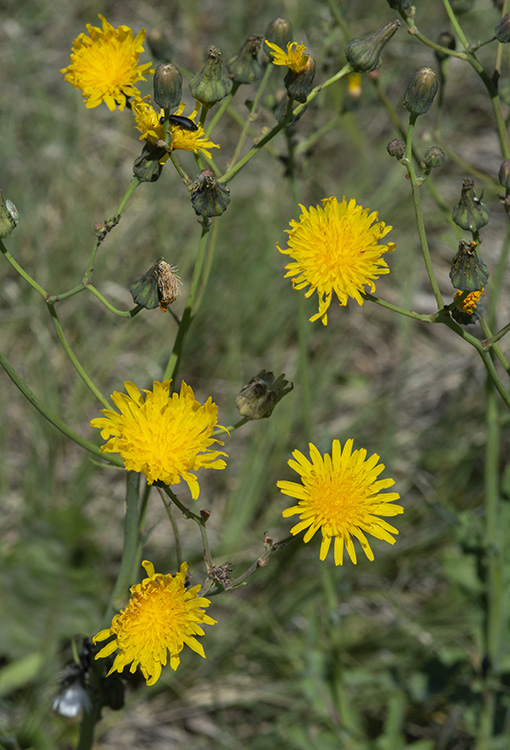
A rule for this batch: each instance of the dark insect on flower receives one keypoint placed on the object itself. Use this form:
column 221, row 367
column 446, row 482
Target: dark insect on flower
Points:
column 181, row 122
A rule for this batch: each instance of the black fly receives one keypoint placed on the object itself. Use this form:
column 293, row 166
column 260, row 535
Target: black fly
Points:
column 181, row 122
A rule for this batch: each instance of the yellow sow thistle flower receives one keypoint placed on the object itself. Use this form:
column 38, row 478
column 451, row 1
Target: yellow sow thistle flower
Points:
column 293, row 57
column 152, row 130
column 160, row 618
column 105, row 66
column 335, row 248
column 162, row 435
column 341, row 495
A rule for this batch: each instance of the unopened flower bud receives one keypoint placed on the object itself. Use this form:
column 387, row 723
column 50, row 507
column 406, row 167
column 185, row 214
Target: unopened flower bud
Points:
column 434, row 157
column 400, row 4
column 208, row 197
column 470, row 213
column 447, row 40
column 469, row 309
column 211, row 84
column 147, row 166
column 502, row 30
column 159, row 45
column 158, row 286
column 279, row 32
column 421, row 90
column 299, row 85
column 9, row 216
column 258, row 399
column 468, row 273
column 244, row 66
column 167, row 86
column 504, row 174
column 396, row 148
column 363, row 53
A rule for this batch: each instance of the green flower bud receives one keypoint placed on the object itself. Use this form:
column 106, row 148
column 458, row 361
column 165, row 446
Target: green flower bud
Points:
column 159, row 45
column 299, row 85
column 445, row 39
column 279, row 32
column 258, row 399
column 363, row 53
column 208, row 197
column 244, row 66
column 9, row 216
column 504, row 174
column 396, row 148
column 434, row 157
column 147, row 166
column 421, row 90
column 468, row 273
column 470, row 213
column 167, row 86
column 211, row 84
column 502, row 30
column 157, row 286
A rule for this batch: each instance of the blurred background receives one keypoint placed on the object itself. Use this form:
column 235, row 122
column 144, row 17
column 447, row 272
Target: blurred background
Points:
column 382, row 655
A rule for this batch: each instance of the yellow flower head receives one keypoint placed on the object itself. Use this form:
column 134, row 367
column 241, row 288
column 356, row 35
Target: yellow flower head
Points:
column 341, row 495
column 160, row 617
column 335, row 249
column 354, row 85
column 293, row 57
column 105, row 66
column 162, row 435
column 469, row 303
column 152, row 130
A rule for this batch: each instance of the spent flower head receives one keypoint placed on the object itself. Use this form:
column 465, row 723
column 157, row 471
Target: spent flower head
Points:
column 341, row 495
column 148, row 122
column 165, row 436
column 104, row 65
column 293, row 57
column 161, row 617
column 335, row 248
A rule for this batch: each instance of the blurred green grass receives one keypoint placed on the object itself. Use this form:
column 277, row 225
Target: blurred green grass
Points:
column 382, row 655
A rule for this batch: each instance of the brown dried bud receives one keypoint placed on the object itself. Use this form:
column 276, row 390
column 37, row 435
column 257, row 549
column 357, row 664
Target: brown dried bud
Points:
column 258, row 399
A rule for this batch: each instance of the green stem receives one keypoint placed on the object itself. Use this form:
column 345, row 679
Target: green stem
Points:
column 252, row 114
column 87, row 728
column 129, row 192
column 419, row 214
column 53, row 419
column 489, row 343
column 121, row 313
column 229, row 174
column 189, row 311
column 8, row 257
column 494, row 582
column 486, row 358
column 400, row 310
column 260, row 562
column 177, row 536
column 199, row 520
column 131, row 547
column 222, row 109
column 230, row 428
column 74, row 359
